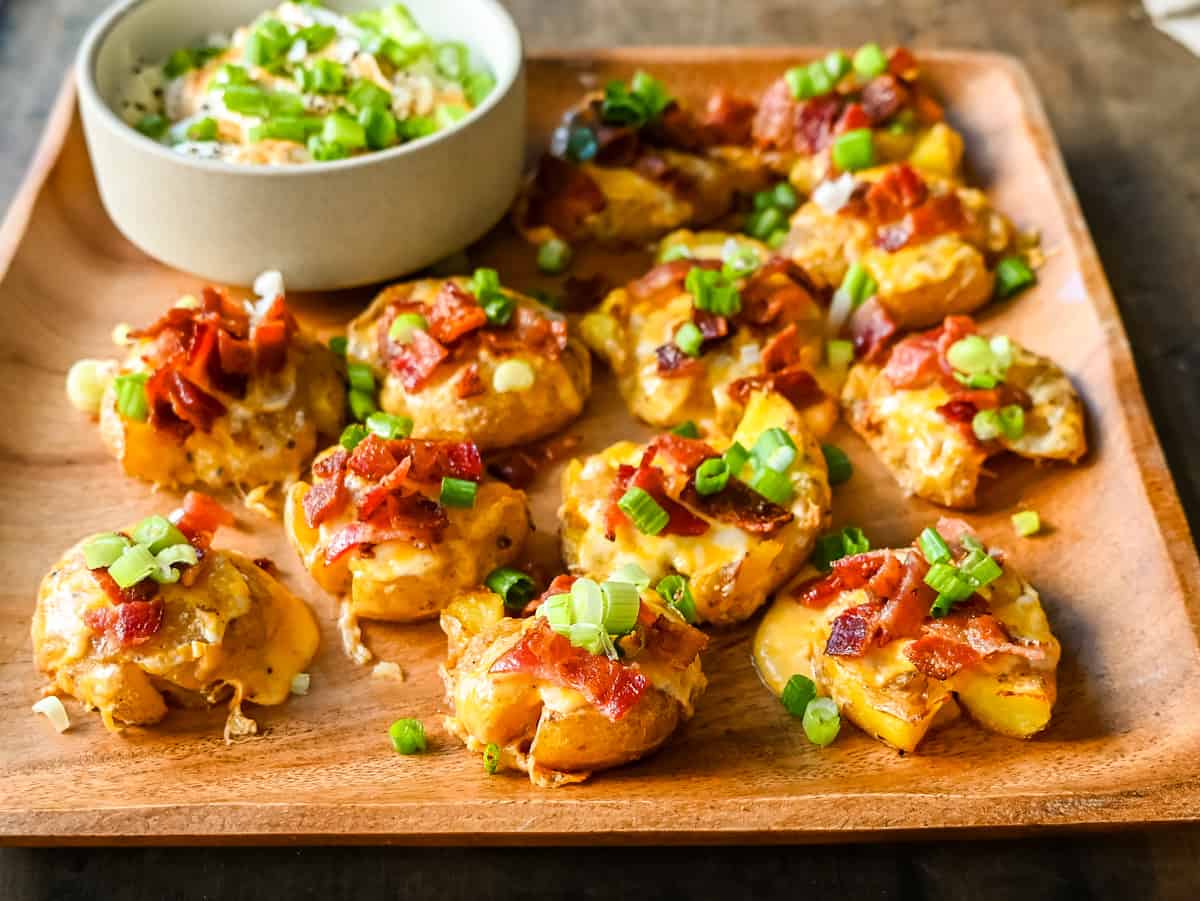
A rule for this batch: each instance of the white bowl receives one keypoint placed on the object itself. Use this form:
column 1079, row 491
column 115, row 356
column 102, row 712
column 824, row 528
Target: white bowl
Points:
column 324, row 225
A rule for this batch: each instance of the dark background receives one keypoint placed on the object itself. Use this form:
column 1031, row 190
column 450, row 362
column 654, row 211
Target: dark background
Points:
column 1125, row 104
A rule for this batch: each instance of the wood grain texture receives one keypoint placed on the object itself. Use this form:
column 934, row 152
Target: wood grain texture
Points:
column 1121, row 748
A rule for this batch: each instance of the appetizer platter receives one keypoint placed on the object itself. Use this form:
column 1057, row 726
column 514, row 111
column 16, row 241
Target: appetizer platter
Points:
column 776, row 470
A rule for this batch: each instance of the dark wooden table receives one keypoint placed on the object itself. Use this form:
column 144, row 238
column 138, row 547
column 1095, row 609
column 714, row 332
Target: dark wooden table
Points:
column 1125, row 102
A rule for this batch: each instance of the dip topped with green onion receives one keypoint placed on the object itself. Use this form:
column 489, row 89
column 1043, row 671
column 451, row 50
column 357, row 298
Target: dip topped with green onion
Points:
column 302, row 84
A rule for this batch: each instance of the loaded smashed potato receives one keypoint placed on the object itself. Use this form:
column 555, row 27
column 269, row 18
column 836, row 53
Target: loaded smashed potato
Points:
column 731, row 526
column 633, row 163
column 699, row 334
column 217, row 392
column 129, row 621
column 905, row 250
column 904, row 639
column 469, row 360
column 599, row 675
column 944, row 401
column 397, row 527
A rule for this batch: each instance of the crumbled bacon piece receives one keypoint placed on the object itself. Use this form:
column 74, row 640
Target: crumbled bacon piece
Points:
column 139, row 591
column 853, row 117
column 331, row 464
column 729, row 119
column 650, row 479
column 908, row 601
column 782, row 350
column 962, row 639
column 665, row 280
column 712, row 326
column 816, row 123
column 129, row 624
column 871, row 328
column 671, row 643
column 674, row 363
column 416, row 361
column 610, row 686
column 883, row 97
column 853, row 631
column 920, row 360
column 903, row 64
column 779, row 291
column 453, row 314
column 846, row 574
column 323, row 500
column 178, row 405
column 412, row 518
column 740, row 505
column 200, row 517
column 683, row 454
column 372, row 458
column 774, row 122
column 562, row 197
column 899, row 190
column 795, row 383
column 469, row 383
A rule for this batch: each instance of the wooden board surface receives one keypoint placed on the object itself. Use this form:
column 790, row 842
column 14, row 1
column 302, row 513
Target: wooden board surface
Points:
column 1116, row 573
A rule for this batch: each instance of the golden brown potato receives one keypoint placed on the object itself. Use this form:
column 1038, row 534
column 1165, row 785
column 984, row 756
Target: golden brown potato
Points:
column 774, row 341
column 927, row 242
column 371, row 527
column 446, row 378
column 897, row 672
column 219, row 394
column 515, row 684
column 745, row 546
column 226, row 631
column 919, row 420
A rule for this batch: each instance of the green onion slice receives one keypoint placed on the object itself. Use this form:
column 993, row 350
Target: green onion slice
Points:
column 674, row 589
column 458, row 492
column 587, row 602
column 514, row 586
column 135, row 563
column 352, row 435
column 712, row 476
column 686, row 429
column 389, row 426
column 554, row 256
column 338, row 344
column 838, row 65
column 104, row 550
column 1012, row 276
column 491, row 758
column 1027, row 523
column 870, row 61
column 633, row 574
column 854, row 150
column 558, row 611
column 344, row 131
column 1011, row 419
column 499, row 309
column 621, row 605
column 858, row 285
column 775, row 450
column 404, row 325
column 408, row 736
column 167, row 558
column 839, row 465
column 131, row 395
column 157, row 533
column 643, row 511
column 839, row 354
column 933, row 546
column 360, row 377
column 822, row 721
column 689, row 338
column 774, row 486
column 797, row 694
column 362, row 404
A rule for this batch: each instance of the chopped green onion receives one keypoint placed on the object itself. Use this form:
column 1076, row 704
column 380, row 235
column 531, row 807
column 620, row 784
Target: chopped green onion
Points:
column 267, row 43
column 352, row 435
column 491, row 758
column 740, row 262
column 798, row 82
column 712, row 476
column 415, row 127
column 516, row 588
column 247, row 99
column 447, row 114
column 640, row 104
column 153, row 125
column 854, row 150
column 689, row 338
column 203, row 129
column 389, row 426
column 633, row 574
column 484, row 282
column 166, row 559
column 286, row 128
column 950, row 584
column 365, row 94
column 458, row 492
column 557, row 611
column 673, row 252
column 362, row 403
column 588, row 636
column 970, row 354
column 316, row 37
column 104, row 550
column 686, row 429
column 177, row 63
column 477, row 85
column 1027, row 523
column 819, row 79
column 849, row 542
column 135, row 563
column 131, row 395
column 774, row 486
column 499, row 309
column 451, row 59
column 157, row 533
column 324, row 152
column 712, row 292
column 982, row 569
column 855, row 541
column 1012, row 276
column 344, row 131
column 403, row 326
column 736, row 456
column 231, row 73
column 986, row 425
column 512, row 375
column 870, row 61
column 776, row 238
column 838, row 464
column 379, row 125
column 338, row 344
column 1002, row 351
column 775, row 450
column 554, row 256
column 762, row 224
column 324, row 76
column 785, row 197
column 674, row 589
column 408, row 736
column 838, row 65
column 933, row 546
column 1012, row 422
column 822, row 721
column 621, row 605
column 587, row 602
column 643, row 511
column 858, row 284
column 797, row 693
column 360, row 377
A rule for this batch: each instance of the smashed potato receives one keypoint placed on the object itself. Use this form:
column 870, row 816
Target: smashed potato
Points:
column 772, row 339
column 538, row 704
column 225, row 630
column 734, row 546
column 935, row 433
column 865, row 636
column 471, row 361
column 376, row 527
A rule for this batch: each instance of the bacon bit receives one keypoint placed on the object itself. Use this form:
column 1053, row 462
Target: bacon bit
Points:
column 883, row 97
column 959, row 411
column 140, row 591
column 610, row 686
column 673, row 363
column 332, row 464
column 739, row 505
column 871, row 327
column 178, row 405
column 616, row 145
column 938, row 215
column 962, row 639
column 928, row 110
column 200, row 517
column 412, row 518
column 129, row 624
column 236, row 356
column 270, row 345
column 774, row 122
column 846, row 574
column 795, row 383
column 372, row 458
column 683, row 454
column 816, row 123
column 672, row 643
column 584, row 292
column 899, row 190
column 908, row 602
column 416, row 361
column 666, row 280
column 325, row 498
column 712, row 326
column 433, row 460
column 768, row 299
column 519, row 467
column 562, row 196
column 680, row 520
column 920, row 360
column 852, row 118
column 677, row 128
column 853, row 631
column 729, row 119
column 469, row 384
column 390, row 483
column 782, row 350
column 454, row 313
column 903, row 64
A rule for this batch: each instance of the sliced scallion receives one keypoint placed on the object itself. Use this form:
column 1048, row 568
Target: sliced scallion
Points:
column 933, row 546
column 352, row 435
column 621, row 605
column 554, row 256
column 516, row 588
column 686, row 429
column 130, row 388
column 458, row 492
column 838, row 464
column 135, row 563
column 689, row 338
column 712, row 476
column 104, row 550
column 389, row 426
column 408, row 736
column 643, row 511
column 404, row 325
column 1027, row 523
column 491, row 758
column 157, row 533
column 822, row 721
column 633, row 574
column 362, row 403
column 674, row 589
column 854, row 150
column 798, row 691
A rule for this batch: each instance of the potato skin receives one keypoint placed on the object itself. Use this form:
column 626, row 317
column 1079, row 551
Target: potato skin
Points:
column 264, row 438
column 399, row 582
column 235, row 627
column 933, row 458
column 491, row 419
column 550, row 732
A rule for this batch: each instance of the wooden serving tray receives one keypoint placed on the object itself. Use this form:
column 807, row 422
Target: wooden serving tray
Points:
column 1118, row 572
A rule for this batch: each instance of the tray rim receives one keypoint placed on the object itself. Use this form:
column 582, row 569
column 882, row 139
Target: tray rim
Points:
column 1158, row 806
